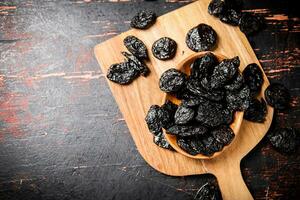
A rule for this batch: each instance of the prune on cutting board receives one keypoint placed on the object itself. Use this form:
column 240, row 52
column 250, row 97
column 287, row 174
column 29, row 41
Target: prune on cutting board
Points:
column 122, row 73
column 164, row 48
column 216, row 7
column 138, row 65
column 257, row 111
column 250, row 23
column 183, row 115
column 277, row 96
column 197, row 89
column 238, row 100
column 208, row 192
column 136, row 47
column 201, row 38
column 187, row 129
column 143, row 19
column 156, row 118
column 161, row 141
column 172, row 80
column 285, row 139
column 231, row 17
column 236, row 83
column 223, row 134
column 253, row 77
column 203, row 66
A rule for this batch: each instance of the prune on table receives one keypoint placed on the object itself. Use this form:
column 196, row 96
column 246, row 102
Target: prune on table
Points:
column 208, row 192
column 223, row 134
column 137, row 64
column 250, row 23
column 172, row 80
column 277, row 96
column 253, row 77
column 164, row 48
column 257, row 111
column 238, row 100
column 122, row 73
column 285, row 139
column 236, row 83
column 216, row 7
column 203, row 66
column 161, row 141
column 197, row 89
column 143, row 19
column 136, row 47
column 231, row 17
column 156, row 118
column 183, row 115
column 201, row 38
column 187, row 130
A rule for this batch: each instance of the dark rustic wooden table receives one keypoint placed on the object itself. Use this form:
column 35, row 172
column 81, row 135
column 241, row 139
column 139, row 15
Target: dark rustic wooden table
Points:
column 61, row 133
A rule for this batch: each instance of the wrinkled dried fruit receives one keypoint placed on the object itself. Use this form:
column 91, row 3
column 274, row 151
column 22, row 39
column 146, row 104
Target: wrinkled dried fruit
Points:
column 257, row 111
column 208, row 192
column 238, row 100
column 172, row 80
column 201, row 38
column 161, row 141
column 122, row 73
column 185, row 144
column 250, row 23
column 223, row 134
column 193, row 101
column 164, row 48
column 253, row 77
column 183, row 115
column 138, row 65
column 236, row 83
column 231, row 17
column 203, row 66
column 277, row 96
column 156, row 118
column 187, row 130
column 136, row 47
column 143, row 19
column 285, row 139
column 216, row 7
column 197, row 89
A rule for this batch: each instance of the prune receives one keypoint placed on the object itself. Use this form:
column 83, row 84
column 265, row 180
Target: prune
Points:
column 223, row 134
column 143, row 19
column 216, row 7
column 161, row 141
column 253, row 77
column 257, row 111
column 285, row 139
column 122, row 73
column 184, row 143
column 238, row 100
column 201, row 38
column 172, row 80
column 137, row 64
column 210, row 146
column 236, row 83
column 170, row 107
column 231, row 17
column 197, row 89
column 208, row 192
column 187, row 130
column 250, row 23
column 164, row 48
column 191, row 102
column 183, row 115
column 277, row 96
column 156, row 118
column 136, row 47
column 204, row 66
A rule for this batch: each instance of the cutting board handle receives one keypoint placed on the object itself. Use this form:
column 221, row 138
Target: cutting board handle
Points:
column 231, row 182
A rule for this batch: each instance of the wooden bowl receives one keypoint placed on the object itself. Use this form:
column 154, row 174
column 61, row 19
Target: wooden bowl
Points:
column 184, row 66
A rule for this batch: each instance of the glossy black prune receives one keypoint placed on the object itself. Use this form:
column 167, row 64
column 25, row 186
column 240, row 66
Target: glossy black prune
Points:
column 183, row 115
column 253, row 77
column 187, row 130
column 285, row 139
column 257, row 111
column 208, row 192
column 216, row 7
column 143, row 19
column 122, row 73
column 161, row 141
column 203, row 66
column 201, row 38
column 236, row 83
column 277, row 96
column 185, row 144
column 223, row 134
column 197, row 89
column 164, row 48
column 230, row 16
column 250, row 23
column 137, row 64
column 172, row 80
column 238, row 100
column 193, row 101
column 156, row 118
column 136, row 47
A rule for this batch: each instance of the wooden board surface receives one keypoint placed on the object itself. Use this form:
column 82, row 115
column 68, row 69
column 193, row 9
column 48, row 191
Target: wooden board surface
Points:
column 135, row 99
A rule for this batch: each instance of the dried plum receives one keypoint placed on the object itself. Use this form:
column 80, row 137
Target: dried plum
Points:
column 137, row 64
column 164, row 48
column 161, row 141
column 203, row 66
column 257, row 111
column 223, row 134
column 208, row 192
column 122, row 73
column 238, row 100
column 143, row 19
column 216, row 7
column 250, row 23
column 170, row 107
column 193, row 101
column 236, row 83
column 285, row 139
column 197, row 89
column 184, row 143
column 172, row 80
column 277, row 96
column 187, row 130
column 201, row 38
column 231, row 17
column 211, row 145
column 253, row 77
column 183, row 115
column 136, row 47
column 156, row 118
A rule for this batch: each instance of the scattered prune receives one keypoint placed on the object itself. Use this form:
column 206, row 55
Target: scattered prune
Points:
column 164, row 48
column 216, row 7
column 161, row 141
column 223, row 134
column 208, row 192
column 257, row 111
column 187, row 130
column 183, row 115
column 253, row 77
column 136, row 47
column 250, row 23
column 231, row 17
column 203, row 66
column 238, row 100
column 236, row 83
column 285, row 139
column 156, row 118
column 138, row 65
column 277, row 96
column 172, row 80
column 122, row 73
column 201, row 38
column 143, row 19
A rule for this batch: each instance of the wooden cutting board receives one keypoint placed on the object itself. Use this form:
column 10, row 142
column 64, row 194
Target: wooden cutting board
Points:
column 135, row 99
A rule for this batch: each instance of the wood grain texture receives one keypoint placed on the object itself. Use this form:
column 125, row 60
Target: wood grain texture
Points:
column 135, row 99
